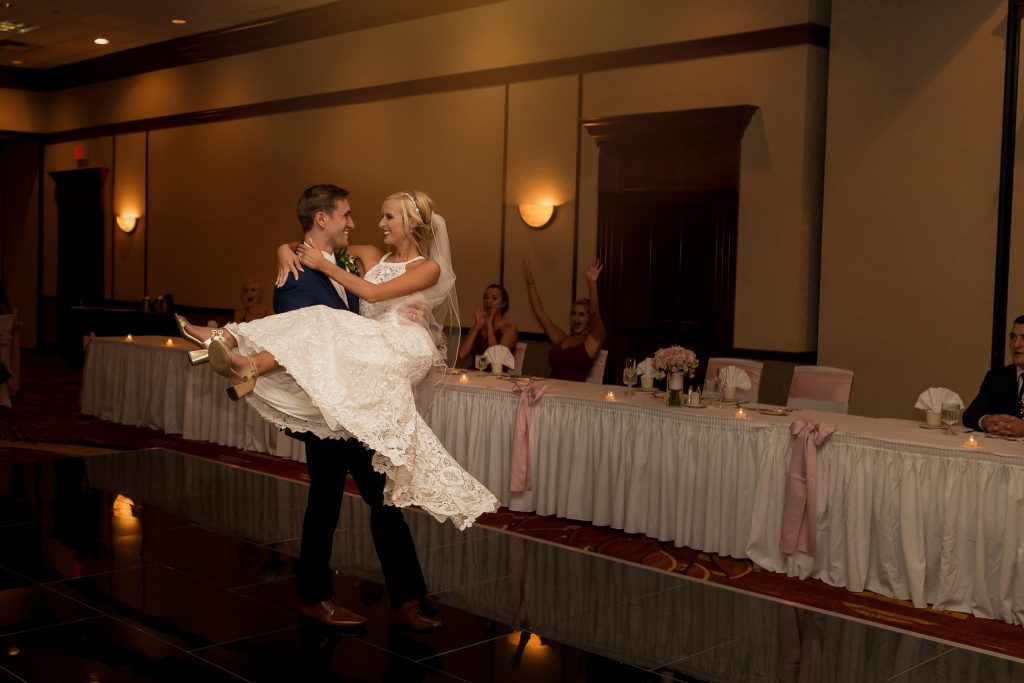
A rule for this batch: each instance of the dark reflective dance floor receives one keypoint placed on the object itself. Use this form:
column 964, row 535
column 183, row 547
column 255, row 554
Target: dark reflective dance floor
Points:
column 159, row 566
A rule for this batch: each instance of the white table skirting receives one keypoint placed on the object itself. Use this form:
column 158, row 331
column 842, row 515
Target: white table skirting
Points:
column 902, row 511
column 146, row 383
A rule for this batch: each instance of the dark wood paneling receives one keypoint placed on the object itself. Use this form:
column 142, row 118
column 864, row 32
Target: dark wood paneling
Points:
column 668, row 200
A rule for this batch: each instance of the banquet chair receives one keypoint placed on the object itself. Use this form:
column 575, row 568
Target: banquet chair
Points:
column 751, row 367
column 596, row 375
column 816, row 387
column 519, row 354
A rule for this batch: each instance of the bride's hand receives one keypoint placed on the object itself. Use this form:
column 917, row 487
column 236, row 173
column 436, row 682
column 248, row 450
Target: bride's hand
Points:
column 287, row 262
column 417, row 312
column 311, row 257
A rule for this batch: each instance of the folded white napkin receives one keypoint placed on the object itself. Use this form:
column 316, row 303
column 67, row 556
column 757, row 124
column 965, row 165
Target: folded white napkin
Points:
column 932, row 399
column 732, row 376
column 497, row 355
column 645, row 367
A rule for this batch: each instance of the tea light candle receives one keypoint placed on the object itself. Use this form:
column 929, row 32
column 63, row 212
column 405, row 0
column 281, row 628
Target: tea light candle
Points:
column 971, row 442
column 610, row 397
column 740, row 414
column 464, row 379
column 128, row 338
column 169, row 342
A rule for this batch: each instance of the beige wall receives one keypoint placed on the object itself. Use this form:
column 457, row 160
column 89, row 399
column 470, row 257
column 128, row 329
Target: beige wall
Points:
column 492, row 36
column 128, row 188
column 24, row 111
column 541, row 170
column 911, row 181
column 222, row 196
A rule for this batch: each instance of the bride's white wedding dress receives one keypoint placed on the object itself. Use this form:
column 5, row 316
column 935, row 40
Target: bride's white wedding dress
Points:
column 353, row 375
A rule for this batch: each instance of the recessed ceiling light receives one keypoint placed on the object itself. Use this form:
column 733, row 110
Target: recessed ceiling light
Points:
column 179, row 22
column 101, row 41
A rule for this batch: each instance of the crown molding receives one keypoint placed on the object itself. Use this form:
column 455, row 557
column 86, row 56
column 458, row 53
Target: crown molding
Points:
column 343, row 16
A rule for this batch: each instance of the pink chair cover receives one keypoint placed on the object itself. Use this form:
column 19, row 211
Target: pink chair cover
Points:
column 521, row 479
column 821, row 384
column 800, row 509
column 519, row 355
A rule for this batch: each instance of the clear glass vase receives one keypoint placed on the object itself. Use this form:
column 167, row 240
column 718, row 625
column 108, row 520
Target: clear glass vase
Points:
column 674, row 389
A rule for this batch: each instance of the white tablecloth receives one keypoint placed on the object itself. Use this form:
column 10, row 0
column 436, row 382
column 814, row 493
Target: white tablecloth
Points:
column 146, row 383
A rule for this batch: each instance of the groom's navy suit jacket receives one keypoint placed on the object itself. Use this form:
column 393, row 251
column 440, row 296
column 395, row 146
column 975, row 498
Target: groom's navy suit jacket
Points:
column 312, row 288
column 997, row 396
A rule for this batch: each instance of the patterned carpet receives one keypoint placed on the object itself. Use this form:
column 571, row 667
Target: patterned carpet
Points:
column 45, row 423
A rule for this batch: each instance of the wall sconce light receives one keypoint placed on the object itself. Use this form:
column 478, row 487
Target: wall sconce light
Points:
column 127, row 223
column 536, row 215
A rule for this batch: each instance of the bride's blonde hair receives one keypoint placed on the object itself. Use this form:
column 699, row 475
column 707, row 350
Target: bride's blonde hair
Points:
column 417, row 210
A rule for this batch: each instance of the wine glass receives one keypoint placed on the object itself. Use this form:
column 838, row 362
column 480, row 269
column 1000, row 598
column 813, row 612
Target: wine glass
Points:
column 951, row 415
column 629, row 375
column 711, row 391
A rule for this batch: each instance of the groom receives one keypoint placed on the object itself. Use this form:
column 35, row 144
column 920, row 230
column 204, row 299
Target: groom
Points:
column 326, row 220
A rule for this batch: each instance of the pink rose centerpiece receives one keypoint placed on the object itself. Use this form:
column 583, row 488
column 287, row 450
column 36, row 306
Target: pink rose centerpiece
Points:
column 678, row 363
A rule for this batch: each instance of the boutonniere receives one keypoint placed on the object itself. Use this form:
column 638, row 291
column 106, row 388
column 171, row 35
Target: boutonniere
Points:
column 347, row 262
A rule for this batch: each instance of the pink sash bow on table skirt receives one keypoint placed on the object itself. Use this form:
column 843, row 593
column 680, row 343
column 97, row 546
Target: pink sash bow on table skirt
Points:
column 521, row 479
column 800, row 509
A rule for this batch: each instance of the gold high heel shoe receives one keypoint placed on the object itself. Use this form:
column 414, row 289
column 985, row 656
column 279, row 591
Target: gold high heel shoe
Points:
column 220, row 362
column 199, row 356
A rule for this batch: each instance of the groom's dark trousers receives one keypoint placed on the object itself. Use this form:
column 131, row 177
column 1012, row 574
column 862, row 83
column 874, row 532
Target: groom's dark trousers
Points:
column 329, row 461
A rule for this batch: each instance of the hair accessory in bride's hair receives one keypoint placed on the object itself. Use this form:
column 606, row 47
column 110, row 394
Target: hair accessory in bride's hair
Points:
column 414, row 207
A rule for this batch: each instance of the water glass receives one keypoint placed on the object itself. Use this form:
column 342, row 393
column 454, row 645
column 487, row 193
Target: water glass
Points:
column 711, row 391
column 951, row 415
column 629, row 375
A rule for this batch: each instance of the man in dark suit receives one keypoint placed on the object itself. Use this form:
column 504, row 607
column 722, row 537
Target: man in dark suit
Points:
column 999, row 405
column 326, row 219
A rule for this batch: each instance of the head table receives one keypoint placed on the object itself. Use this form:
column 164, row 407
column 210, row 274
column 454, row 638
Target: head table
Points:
column 903, row 511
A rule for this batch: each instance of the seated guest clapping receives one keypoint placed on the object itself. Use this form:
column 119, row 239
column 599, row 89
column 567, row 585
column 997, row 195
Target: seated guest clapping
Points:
column 999, row 405
column 573, row 353
column 490, row 326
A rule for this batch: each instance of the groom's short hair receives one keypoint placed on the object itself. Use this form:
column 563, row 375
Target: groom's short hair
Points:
column 316, row 199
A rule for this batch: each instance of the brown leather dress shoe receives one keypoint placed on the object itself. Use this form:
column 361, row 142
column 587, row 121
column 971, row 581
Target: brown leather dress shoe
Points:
column 409, row 616
column 330, row 613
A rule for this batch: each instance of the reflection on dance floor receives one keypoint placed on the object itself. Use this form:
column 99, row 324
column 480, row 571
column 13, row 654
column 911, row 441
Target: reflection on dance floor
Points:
column 155, row 565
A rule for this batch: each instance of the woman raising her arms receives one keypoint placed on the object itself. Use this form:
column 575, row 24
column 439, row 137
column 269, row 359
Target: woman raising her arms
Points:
column 573, row 353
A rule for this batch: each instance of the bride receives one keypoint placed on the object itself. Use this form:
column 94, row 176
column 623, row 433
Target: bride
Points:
column 349, row 375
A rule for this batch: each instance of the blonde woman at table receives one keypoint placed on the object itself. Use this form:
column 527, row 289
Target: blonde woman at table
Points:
column 349, row 375
column 252, row 306
column 490, row 326
column 573, row 353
